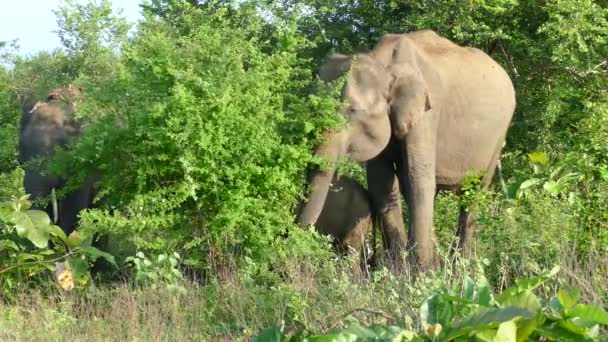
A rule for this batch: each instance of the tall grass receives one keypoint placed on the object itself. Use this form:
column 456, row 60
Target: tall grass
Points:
column 236, row 307
column 235, row 304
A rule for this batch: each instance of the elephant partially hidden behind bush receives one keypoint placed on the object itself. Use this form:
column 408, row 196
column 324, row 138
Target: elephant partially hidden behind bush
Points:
column 46, row 126
column 347, row 217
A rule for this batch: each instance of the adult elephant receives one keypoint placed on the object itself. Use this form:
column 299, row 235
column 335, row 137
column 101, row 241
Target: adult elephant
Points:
column 422, row 112
column 347, row 217
column 45, row 127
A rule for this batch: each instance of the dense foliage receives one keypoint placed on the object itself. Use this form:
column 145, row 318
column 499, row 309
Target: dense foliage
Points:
column 201, row 121
column 474, row 312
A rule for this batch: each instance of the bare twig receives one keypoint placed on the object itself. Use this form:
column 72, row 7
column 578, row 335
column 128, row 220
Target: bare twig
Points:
column 509, row 59
column 35, row 262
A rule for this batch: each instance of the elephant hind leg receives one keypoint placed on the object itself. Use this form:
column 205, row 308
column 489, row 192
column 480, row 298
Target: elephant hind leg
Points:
column 466, row 231
column 467, row 218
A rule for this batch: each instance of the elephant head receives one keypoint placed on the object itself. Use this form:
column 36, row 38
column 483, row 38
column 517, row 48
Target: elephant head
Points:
column 383, row 89
column 47, row 125
column 367, row 130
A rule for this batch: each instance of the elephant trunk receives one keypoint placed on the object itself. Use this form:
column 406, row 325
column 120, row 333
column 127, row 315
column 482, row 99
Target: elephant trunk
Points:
column 320, row 180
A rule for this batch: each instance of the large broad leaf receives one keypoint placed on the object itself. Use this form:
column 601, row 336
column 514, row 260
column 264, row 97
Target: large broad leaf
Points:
column 556, row 332
column 337, row 337
column 30, row 225
column 374, row 331
column 483, row 291
column 377, row 332
column 489, row 319
column 507, row 332
column 520, row 299
column 468, row 288
column 534, row 282
column 529, row 183
column 74, row 240
column 55, row 231
column 589, row 313
column 436, row 310
column 271, row 335
column 95, row 253
column 568, row 299
column 525, row 299
column 80, row 269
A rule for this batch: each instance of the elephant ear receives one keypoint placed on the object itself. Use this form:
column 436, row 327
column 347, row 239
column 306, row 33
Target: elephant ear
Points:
column 335, row 66
column 409, row 100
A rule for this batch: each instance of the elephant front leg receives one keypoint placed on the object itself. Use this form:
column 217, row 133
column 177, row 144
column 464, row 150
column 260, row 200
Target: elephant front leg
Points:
column 383, row 187
column 420, row 189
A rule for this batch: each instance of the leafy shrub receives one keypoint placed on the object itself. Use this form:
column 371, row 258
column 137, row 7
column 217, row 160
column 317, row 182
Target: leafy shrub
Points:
column 201, row 139
column 25, row 235
column 162, row 270
column 475, row 313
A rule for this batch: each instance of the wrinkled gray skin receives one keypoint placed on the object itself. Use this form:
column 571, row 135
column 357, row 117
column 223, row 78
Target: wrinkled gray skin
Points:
column 44, row 127
column 422, row 112
column 346, row 216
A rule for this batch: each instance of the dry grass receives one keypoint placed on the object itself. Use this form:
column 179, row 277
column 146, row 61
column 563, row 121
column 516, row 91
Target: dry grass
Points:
column 234, row 307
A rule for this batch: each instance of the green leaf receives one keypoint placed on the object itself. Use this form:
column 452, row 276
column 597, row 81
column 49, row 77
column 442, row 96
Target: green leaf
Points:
column 556, row 332
column 589, row 313
column 483, row 291
column 525, row 299
column 468, row 288
column 538, row 158
column 552, row 187
column 95, row 253
column 337, row 337
column 487, row 335
column 507, row 332
column 28, row 225
column 521, row 299
column 80, row 269
column 578, row 329
column 534, row 282
column 74, row 240
column 568, row 299
column 373, row 332
column 529, row 183
column 6, row 244
column 435, row 310
column 271, row 335
column 489, row 318
column 56, row 231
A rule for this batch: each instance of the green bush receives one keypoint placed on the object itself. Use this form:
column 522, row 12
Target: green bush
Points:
column 26, row 236
column 201, row 139
column 474, row 313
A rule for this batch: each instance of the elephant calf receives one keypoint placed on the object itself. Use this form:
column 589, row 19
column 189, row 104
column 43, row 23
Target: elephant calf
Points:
column 47, row 125
column 346, row 215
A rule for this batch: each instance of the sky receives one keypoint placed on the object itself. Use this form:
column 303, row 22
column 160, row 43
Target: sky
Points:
column 32, row 22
